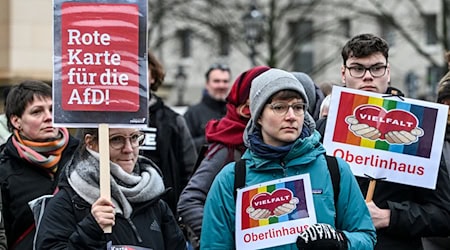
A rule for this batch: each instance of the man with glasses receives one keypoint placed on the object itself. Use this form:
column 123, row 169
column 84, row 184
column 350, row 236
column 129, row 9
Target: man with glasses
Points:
column 401, row 214
column 212, row 105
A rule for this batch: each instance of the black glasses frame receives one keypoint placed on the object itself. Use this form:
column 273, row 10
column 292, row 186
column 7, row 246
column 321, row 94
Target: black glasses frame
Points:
column 370, row 69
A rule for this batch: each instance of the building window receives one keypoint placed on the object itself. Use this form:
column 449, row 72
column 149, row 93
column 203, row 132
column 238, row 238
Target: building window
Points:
column 303, row 51
column 223, row 37
column 430, row 29
column 387, row 31
column 184, row 37
column 344, row 25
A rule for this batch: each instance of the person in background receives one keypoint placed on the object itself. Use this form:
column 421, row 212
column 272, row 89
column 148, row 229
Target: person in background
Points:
column 168, row 141
column 282, row 142
column 442, row 243
column 225, row 145
column 325, row 106
column 212, row 105
column 32, row 159
column 401, row 214
column 4, row 131
column 326, row 88
column 314, row 93
column 75, row 218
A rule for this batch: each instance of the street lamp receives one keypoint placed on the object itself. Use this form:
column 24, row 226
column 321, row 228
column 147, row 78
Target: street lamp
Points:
column 180, row 79
column 254, row 22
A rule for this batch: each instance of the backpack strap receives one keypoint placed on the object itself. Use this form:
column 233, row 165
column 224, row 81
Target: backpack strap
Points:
column 239, row 176
column 335, row 176
column 200, row 157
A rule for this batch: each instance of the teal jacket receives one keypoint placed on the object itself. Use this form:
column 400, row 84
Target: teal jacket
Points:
column 306, row 156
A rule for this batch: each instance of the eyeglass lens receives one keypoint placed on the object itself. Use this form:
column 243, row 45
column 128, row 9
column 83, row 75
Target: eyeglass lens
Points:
column 119, row 141
column 360, row 71
column 283, row 108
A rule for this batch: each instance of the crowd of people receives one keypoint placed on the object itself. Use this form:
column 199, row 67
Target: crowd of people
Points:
column 180, row 189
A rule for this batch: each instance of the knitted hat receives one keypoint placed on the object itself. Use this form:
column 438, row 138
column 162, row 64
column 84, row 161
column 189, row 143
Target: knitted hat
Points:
column 444, row 88
column 240, row 90
column 309, row 87
column 265, row 86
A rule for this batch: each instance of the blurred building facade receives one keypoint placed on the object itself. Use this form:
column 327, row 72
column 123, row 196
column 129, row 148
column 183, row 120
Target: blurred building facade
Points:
column 302, row 35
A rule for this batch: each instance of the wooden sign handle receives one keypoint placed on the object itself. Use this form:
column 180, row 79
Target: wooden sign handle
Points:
column 371, row 189
column 105, row 182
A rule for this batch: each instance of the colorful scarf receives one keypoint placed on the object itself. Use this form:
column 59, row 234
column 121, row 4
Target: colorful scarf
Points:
column 43, row 154
column 144, row 184
column 228, row 130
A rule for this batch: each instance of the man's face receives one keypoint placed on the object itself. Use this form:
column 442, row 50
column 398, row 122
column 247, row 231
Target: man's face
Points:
column 367, row 81
column 218, row 84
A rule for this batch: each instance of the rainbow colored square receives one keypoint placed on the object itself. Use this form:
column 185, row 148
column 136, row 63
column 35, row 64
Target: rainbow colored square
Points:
column 426, row 117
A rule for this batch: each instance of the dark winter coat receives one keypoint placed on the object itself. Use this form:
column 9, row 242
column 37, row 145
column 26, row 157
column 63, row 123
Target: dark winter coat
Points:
column 171, row 147
column 68, row 224
column 415, row 212
column 441, row 243
column 22, row 182
column 198, row 115
column 193, row 197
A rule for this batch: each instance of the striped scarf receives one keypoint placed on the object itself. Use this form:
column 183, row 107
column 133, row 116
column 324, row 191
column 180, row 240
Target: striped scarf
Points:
column 43, row 154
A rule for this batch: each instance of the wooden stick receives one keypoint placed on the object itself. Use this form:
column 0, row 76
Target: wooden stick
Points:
column 105, row 183
column 371, row 189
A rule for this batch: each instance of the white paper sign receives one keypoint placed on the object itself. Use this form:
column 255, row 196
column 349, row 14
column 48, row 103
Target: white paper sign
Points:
column 273, row 213
column 386, row 137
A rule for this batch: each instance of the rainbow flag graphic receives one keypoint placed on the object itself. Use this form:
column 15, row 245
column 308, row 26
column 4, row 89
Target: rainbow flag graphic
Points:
column 426, row 118
column 295, row 187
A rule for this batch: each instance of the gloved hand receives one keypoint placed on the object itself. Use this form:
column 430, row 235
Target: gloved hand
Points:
column 322, row 236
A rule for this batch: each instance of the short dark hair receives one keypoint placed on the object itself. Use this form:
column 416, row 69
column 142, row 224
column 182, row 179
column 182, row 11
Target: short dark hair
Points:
column 364, row 45
column 5, row 94
column 219, row 66
column 23, row 94
column 285, row 95
column 156, row 70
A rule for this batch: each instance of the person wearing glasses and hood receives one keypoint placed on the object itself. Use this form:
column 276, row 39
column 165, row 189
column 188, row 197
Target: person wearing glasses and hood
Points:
column 76, row 216
column 282, row 142
column 212, row 105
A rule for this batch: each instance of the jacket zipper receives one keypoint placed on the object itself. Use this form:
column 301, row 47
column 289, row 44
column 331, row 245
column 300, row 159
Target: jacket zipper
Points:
column 136, row 233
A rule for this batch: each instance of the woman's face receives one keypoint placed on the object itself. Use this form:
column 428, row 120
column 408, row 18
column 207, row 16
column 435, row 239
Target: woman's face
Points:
column 36, row 120
column 282, row 121
column 123, row 147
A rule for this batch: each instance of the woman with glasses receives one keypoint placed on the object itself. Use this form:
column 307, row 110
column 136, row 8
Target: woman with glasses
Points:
column 76, row 216
column 31, row 160
column 282, row 142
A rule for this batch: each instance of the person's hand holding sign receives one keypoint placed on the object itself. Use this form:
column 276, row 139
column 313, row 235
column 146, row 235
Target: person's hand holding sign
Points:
column 375, row 123
column 403, row 137
column 285, row 208
column 362, row 129
column 259, row 213
column 103, row 212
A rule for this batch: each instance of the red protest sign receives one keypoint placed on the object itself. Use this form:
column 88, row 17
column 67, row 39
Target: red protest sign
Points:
column 99, row 69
